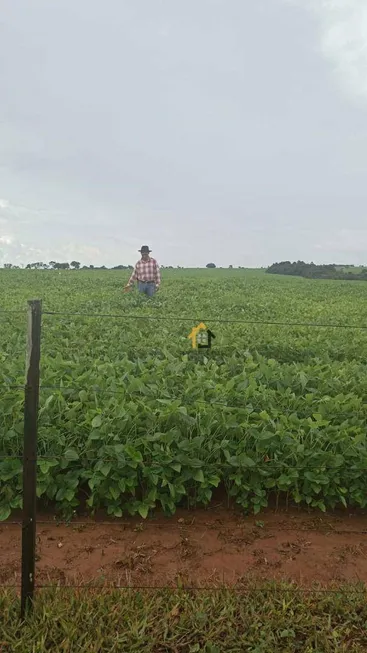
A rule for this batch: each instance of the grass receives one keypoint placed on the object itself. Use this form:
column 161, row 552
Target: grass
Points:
column 277, row 619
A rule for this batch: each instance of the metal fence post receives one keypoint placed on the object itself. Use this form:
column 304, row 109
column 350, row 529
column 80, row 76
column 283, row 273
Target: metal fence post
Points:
column 31, row 401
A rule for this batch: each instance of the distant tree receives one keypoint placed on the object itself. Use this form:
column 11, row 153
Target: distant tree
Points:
column 312, row 271
column 8, row 266
column 211, row 265
column 75, row 265
column 231, row 267
column 37, row 266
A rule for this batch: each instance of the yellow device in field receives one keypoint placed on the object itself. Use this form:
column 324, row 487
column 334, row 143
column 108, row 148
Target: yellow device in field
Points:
column 201, row 337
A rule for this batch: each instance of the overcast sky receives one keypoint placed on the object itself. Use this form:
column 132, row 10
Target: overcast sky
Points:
column 232, row 131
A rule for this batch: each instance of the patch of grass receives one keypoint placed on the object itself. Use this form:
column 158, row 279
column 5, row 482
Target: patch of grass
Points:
column 276, row 619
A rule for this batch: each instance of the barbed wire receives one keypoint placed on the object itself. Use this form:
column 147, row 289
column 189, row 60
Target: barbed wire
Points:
column 252, row 468
column 193, row 320
column 176, row 590
column 140, row 526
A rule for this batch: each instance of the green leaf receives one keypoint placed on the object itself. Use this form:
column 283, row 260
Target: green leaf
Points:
column 69, row 495
column 177, row 467
column 135, row 455
column 5, row 512
column 264, row 416
column 60, row 494
column 245, row 461
column 143, row 511
column 214, row 480
column 71, row 454
column 342, row 499
column 97, row 421
column 95, row 435
column 257, row 508
column 46, row 465
column 199, row 476
column 115, row 492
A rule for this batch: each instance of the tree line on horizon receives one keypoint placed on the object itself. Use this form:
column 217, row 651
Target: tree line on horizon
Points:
column 288, row 268
column 313, row 271
column 76, row 265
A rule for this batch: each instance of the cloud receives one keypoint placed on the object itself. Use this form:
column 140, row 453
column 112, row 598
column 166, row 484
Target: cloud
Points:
column 343, row 39
column 345, row 241
column 6, row 240
column 73, row 250
column 14, row 213
column 17, row 251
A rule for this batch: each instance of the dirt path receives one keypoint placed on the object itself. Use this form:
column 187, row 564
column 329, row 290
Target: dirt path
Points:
column 202, row 547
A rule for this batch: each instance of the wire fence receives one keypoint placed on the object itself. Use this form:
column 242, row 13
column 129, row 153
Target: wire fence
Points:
column 30, row 460
column 255, row 467
column 141, row 526
column 213, row 320
column 224, row 589
column 192, row 320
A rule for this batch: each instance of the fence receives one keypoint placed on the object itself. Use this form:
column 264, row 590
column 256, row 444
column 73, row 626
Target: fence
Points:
column 31, row 406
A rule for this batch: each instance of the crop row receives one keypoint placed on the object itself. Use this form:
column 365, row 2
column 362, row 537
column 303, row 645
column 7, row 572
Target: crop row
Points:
column 137, row 442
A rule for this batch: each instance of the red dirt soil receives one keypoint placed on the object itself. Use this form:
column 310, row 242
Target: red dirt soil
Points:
column 199, row 548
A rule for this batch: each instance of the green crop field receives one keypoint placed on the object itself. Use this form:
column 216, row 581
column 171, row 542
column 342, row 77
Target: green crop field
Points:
column 132, row 419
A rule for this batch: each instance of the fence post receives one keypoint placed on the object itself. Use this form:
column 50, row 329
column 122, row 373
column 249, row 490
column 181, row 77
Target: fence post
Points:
column 31, row 400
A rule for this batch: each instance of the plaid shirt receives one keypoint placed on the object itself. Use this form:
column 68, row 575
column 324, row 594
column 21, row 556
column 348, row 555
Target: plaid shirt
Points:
column 146, row 271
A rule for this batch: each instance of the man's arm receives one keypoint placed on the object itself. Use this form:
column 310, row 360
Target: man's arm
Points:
column 134, row 276
column 157, row 275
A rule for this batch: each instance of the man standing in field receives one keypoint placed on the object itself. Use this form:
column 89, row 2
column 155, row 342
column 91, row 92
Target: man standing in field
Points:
column 146, row 273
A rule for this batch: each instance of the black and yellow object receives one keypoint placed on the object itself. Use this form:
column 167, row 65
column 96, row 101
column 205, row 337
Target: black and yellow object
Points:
column 201, row 337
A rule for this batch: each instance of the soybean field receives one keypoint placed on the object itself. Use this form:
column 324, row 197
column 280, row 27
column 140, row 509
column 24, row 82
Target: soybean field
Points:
column 132, row 419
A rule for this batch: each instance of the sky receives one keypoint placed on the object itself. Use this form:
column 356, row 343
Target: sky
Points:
column 217, row 131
